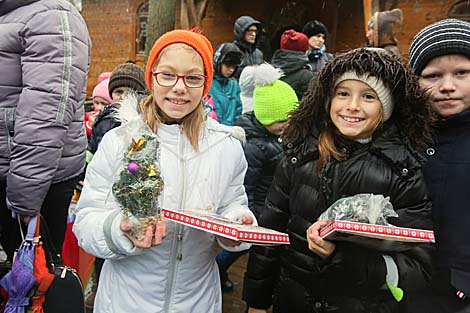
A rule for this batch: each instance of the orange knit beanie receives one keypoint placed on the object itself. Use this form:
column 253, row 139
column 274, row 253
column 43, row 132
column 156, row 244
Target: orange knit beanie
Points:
column 199, row 42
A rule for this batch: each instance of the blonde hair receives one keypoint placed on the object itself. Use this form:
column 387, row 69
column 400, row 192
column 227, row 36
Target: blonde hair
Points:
column 191, row 124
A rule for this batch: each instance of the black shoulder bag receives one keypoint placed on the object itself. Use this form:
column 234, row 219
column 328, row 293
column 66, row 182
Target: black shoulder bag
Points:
column 65, row 295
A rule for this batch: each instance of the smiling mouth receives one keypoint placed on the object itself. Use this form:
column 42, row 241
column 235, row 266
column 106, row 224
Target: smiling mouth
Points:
column 352, row 119
column 446, row 100
column 178, row 102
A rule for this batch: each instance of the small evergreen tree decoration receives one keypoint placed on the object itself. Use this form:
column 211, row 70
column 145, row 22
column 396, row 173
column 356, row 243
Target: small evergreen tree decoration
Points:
column 140, row 183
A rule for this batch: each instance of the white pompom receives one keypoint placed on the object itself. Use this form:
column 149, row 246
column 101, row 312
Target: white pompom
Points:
column 127, row 110
column 266, row 74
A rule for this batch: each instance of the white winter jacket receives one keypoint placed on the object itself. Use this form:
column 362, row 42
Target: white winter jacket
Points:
column 179, row 275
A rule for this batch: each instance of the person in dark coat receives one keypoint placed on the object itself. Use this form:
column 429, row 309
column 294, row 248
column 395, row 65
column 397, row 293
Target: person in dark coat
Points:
column 246, row 31
column 316, row 32
column 45, row 55
column 273, row 101
column 355, row 131
column 293, row 61
column 440, row 55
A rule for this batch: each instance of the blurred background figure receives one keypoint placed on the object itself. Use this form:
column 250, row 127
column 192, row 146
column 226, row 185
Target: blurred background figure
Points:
column 101, row 99
column 247, row 87
column 224, row 89
column 246, row 31
column 292, row 60
column 382, row 28
column 316, row 32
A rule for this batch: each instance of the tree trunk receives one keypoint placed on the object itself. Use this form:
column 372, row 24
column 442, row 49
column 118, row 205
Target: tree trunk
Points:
column 192, row 12
column 161, row 19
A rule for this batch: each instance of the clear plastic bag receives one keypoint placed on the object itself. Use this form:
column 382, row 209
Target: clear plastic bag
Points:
column 140, row 184
column 362, row 208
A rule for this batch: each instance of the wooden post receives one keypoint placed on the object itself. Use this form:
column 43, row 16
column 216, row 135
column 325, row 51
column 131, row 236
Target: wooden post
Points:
column 367, row 9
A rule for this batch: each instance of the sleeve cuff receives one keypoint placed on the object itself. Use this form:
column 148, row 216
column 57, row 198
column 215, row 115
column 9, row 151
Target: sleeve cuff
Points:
column 116, row 239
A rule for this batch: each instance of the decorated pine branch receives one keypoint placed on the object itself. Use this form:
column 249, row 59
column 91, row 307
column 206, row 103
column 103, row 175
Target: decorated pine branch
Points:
column 140, row 183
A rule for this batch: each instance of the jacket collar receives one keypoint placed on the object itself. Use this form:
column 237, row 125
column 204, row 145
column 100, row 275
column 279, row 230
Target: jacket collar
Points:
column 463, row 118
column 387, row 144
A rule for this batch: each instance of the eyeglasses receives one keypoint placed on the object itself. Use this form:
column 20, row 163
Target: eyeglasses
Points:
column 252, row 31
column 167, row 79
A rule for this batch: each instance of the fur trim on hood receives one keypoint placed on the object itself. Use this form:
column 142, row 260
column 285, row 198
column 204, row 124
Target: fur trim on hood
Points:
column 412, row 112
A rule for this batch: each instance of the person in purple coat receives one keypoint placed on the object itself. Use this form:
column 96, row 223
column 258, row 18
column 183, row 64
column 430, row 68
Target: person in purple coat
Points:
column 45, row 51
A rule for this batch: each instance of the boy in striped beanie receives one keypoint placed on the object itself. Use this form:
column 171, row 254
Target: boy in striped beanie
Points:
column 440, row 55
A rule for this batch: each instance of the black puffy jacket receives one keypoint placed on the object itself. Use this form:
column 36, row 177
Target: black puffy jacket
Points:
column 263, row 153
column 294, row 65
column 104, row 122
column 295, row 279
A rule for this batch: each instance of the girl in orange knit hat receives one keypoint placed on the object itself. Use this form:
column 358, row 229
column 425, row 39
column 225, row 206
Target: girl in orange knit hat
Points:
column 172, row 269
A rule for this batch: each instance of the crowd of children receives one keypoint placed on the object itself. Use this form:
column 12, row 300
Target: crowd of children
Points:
column 276, row 145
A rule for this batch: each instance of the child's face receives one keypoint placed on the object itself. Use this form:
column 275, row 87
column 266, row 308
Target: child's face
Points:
column 99, row 103
column 447, row 78
column 118, row 93
column 227, row 70
column 355, row 110
column 276, row 128
column 179, row 100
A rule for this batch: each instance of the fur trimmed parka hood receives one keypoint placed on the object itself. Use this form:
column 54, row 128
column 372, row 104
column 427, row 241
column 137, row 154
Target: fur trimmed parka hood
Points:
column 412, row 112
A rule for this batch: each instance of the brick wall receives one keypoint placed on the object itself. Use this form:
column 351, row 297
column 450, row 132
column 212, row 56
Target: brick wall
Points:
column 418, row 14
column 112, row 24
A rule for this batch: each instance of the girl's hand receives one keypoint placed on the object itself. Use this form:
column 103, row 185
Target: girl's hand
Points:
column 323, row 248
column 246, row 220
column 154, row 234
column 252, row 310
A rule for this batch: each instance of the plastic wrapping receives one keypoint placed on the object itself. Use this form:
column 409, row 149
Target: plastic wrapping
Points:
column 140, row 184
column 362, row 208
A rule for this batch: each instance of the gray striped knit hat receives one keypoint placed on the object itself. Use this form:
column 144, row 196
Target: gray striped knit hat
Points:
column 449, row 36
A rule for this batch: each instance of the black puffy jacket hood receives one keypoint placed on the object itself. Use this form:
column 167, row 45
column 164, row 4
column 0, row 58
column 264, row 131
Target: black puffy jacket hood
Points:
column 289, row 61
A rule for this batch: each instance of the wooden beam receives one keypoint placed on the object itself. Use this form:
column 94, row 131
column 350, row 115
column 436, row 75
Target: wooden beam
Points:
column 367, row 9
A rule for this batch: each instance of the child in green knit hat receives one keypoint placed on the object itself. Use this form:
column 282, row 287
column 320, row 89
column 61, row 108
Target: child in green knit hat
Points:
column 273, row 100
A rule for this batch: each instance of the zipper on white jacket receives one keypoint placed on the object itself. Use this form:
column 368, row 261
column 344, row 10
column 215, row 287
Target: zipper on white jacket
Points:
column 178, row 241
